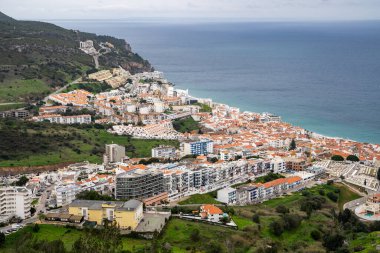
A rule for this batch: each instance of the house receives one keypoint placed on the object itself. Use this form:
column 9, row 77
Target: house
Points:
column 211, row 212
column 127, row 215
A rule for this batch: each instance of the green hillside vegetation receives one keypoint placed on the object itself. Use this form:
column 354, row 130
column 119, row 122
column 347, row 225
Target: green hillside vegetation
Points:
column 186, row 125
column 90, row 87
column 32, row 144
column 49, row 56
column 283, row 224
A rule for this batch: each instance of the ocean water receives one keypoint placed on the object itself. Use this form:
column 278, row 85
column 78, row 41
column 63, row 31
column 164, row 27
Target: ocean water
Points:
column 324, row 77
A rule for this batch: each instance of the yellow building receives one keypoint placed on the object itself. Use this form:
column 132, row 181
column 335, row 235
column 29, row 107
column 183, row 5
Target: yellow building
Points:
column 126, row 214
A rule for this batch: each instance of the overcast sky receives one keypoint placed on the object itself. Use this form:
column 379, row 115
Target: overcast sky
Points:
column 219, row 9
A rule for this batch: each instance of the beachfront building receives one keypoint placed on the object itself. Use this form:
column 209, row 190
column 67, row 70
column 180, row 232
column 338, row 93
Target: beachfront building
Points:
column 15, row 201
column 139, row 184
column 203, row 147
column 127, row 215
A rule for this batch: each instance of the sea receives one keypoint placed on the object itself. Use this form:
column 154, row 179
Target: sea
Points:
column 322, row 76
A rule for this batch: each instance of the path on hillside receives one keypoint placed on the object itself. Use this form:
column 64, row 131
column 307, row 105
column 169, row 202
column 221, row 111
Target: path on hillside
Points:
column 62, row 88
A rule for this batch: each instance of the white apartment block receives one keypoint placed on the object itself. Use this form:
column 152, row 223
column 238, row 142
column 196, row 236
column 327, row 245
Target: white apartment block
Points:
column 59, row 119
column 114, row 153
column 66, row 194
column 164, row 152
column 15, row 201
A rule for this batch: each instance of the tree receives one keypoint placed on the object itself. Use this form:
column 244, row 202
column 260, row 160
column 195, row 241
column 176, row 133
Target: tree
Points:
column 332, row 196
column 195, row 235
column 292, row 145
column 213, row 160
column 282, row 209
column 352, row 158
column 36, row 228
column 22, row 181
column 2, row 239
column 338, row 158
column 316, row 235
column 291, row 221
column 256, row 218
column 105, row 240
column 333, row 241
column 276, row 227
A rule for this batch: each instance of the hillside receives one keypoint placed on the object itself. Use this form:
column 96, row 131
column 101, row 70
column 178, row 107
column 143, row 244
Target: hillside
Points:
column 36, row 144
column 37, row 57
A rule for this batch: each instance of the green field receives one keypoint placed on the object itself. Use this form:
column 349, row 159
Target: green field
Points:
column 186, row 125
column 14, row 90
column 207, row 198
column 33, row 144
column 11, row 106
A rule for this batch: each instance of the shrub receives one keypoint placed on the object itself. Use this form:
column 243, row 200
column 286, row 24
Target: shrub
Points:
column 282, row 209
column 276, row 227
column 195, row 235
column 337, row 158
column 321, row 192
column 332, row 196
column 36, row 228
column 333, row 241
column 291, row 221
column 316, row 235
column 256, row 218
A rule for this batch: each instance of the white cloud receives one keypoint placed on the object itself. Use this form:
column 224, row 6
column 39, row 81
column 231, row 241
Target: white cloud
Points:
column 246, row 9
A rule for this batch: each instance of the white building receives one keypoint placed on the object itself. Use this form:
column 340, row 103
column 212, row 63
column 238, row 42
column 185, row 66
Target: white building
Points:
column 227, row 195
column 164, row 152
column 66, row 194
column 59, row 119
column 202, row 147
column 114, row 153
column 15, row 201
column 278, row 165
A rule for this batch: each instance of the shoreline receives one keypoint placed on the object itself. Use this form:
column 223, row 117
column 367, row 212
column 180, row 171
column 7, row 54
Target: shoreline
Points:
column 315, row 134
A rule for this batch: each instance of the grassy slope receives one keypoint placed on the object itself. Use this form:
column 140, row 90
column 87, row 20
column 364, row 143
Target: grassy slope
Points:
column 186, row 125
column 6, row 107
column 67, row 235
column 200, row 199
column 13, row 89
column 52, row 144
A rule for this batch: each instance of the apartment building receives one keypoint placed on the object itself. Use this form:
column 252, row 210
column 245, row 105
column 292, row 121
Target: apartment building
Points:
column 66, row 194
column 14, row 114
column 164, row 152
column 297, row 164
column 127, row 215
column 202, row 147
column 114, row 153
column 139, row 184
column 59, row 119
column 15, row 201
column 227, row 195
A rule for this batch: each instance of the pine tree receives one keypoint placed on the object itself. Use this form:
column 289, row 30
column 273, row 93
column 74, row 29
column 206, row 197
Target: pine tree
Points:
column 292, row 145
